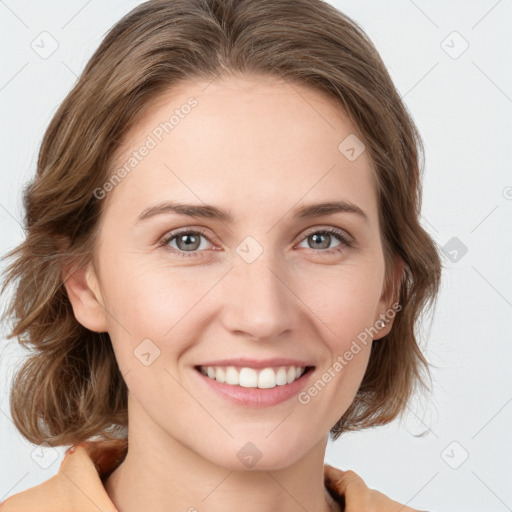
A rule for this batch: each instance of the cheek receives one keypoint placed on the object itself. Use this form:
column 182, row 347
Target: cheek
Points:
column 155, row 302
column 345, row 299
column 144, row 295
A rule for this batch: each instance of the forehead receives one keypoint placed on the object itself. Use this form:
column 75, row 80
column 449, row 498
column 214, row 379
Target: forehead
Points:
column 253, row 141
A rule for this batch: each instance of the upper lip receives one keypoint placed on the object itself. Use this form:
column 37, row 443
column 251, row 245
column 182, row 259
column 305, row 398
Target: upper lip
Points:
column 242, row 362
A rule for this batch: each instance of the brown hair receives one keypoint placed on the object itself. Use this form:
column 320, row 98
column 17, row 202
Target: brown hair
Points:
column 70, row 388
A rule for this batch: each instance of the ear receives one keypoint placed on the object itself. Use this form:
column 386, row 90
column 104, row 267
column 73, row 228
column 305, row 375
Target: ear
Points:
column 84, row 293
column 388, row 304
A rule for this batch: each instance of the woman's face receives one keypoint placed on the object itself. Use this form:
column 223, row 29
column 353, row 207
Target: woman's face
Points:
column 263, row 284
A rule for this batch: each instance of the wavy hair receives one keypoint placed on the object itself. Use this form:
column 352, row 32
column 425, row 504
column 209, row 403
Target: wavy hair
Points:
column 69, row 388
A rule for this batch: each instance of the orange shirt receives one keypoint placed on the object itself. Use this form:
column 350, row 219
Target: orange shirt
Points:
column 78, row 486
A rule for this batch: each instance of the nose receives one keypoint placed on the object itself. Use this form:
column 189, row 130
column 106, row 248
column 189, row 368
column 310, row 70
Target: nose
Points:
column 258, row 300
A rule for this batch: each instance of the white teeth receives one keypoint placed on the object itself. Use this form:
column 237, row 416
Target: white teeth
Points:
column 281, row 376
column 252, row 378
column 231, row 376
column 248, row 378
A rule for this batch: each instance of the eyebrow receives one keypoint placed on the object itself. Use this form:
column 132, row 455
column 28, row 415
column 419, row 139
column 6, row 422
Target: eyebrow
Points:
column 212, row 212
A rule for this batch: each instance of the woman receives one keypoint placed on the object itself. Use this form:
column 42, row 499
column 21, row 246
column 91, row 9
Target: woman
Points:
column 223, row 265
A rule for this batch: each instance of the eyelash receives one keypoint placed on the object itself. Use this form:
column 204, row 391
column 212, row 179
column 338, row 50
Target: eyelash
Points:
column 346, row 242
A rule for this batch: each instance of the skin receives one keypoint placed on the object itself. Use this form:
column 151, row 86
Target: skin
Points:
column 260, row 148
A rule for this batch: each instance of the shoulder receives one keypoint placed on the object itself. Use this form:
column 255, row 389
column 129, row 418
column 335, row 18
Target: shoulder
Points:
column 77, row 483
column 356, row 495
column 31, row 500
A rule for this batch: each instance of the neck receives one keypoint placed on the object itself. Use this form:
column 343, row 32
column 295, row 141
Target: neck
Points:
column 161, row 474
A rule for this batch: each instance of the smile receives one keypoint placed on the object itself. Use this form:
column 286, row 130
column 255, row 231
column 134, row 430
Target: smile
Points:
column 263, row 378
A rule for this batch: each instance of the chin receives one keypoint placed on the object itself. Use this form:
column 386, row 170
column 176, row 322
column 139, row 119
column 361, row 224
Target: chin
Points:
column 258, row 455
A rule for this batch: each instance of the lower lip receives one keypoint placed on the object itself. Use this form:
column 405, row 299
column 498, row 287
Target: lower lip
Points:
column 256, row 397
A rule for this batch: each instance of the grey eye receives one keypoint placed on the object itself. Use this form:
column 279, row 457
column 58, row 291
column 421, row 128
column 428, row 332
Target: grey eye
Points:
column 321, row 240
column 187, row 241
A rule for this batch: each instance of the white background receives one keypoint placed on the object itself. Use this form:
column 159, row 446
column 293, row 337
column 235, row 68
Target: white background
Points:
column 463, row 108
